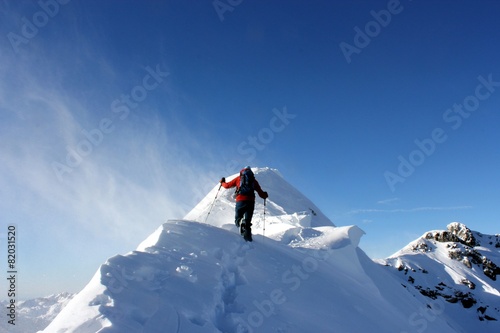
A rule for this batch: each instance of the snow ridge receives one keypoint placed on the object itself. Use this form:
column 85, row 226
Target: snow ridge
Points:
column 303, row 275
column 286, row 207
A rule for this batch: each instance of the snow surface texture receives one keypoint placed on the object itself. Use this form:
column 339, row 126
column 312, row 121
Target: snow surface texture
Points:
column 35, row 314
column 286, row 208
column 456, row 267
column 305, row 275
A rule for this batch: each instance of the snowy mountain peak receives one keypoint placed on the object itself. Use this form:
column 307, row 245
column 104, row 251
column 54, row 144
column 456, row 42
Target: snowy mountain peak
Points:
column 36, row 314
column 286, row 208
column 456, row 232
column 303, row 275
column 458, row 266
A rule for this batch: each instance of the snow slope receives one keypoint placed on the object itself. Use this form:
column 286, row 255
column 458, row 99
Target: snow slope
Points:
column 286, row 208
column 199, row 278
column 35, row 314
column 305, row 275
column 455, row 267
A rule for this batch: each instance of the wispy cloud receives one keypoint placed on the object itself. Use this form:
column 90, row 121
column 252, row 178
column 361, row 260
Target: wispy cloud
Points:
column 407, row 210
column 148, row 169
column 145, row 171
column 388, row 201
column 139, row 176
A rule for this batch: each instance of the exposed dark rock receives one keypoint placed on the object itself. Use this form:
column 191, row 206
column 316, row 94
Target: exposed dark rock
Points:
column 463, row 233
column 443, row 236
column 455, row 254
column 420, row 247
column 457, row 232
column 474, row 256
column 481, row 310
column 450, row 299
column 469, row 284
column 468, row 302
column 470, row 256
column 490, row 269
column 428, row 292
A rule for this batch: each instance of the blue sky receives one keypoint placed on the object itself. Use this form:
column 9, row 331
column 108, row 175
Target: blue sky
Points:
column 118, row 115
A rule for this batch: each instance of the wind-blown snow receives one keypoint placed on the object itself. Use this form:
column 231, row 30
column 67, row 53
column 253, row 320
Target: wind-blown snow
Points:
column 305, row 275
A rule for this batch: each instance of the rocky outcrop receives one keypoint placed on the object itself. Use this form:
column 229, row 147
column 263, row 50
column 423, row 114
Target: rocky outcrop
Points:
column 457, row 232
column 465, row 286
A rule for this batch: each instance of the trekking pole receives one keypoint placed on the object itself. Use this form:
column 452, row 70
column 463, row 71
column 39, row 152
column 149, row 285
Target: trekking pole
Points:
column 213, row 202
column 264, row 230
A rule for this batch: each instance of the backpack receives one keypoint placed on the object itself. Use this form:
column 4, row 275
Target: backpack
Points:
column 246, row 182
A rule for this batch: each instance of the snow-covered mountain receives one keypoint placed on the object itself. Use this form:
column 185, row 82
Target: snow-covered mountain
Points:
column 301, row 274
column 35, row 314
column 456, row 267
column 287, row 210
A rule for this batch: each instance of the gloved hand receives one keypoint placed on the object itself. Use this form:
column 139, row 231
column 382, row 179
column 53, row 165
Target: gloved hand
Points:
column 265, row 195
column 222, row 180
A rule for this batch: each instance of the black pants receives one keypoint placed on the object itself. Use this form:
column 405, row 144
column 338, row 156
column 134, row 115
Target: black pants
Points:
column 244, row 210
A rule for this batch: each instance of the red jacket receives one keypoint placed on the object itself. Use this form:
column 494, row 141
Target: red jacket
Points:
column 241, row 197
